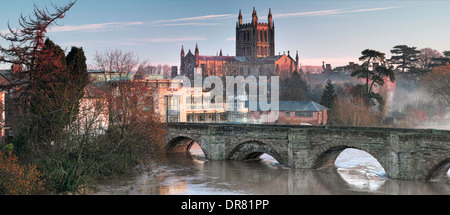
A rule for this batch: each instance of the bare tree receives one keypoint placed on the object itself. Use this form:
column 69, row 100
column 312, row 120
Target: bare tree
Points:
column 352, row 111
column 132, row 116
column 438, row 82
column 425, row 57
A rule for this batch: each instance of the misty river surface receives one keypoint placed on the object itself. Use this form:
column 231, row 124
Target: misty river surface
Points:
column 355, row 172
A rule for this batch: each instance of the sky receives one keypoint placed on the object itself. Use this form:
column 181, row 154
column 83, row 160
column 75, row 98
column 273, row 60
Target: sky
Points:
column 332, row 31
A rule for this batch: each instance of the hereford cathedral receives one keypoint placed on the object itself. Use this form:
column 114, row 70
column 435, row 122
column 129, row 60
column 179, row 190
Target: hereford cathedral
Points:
column 255, row 54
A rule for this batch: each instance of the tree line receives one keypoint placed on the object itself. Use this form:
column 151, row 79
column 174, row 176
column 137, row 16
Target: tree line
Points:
column 426, row 68
column 361, row 105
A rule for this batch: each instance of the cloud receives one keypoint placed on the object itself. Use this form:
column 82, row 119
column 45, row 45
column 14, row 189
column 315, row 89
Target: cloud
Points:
column 206, row 17
column 168, row 40
column 310, row 13
column 87, row 27
column 93, row 27
column 329, row 12
column 231, row 39
column 189, row 23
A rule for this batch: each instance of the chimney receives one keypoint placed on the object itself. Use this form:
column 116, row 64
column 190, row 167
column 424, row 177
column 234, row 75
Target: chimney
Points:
column 174, row 71
column 16, row 68
column 328, row 68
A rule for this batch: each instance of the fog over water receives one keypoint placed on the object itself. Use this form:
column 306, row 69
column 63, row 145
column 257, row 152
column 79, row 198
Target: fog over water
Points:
column 355, row 172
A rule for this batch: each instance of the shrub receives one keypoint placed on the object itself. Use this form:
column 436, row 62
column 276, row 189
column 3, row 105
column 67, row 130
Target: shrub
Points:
column 18, row 179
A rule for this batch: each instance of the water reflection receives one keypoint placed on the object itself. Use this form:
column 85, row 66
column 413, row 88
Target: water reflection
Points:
column 355, row 173
column 360, row 170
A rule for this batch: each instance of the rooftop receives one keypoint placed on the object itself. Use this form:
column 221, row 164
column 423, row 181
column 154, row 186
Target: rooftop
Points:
column 308, row 106
column 301, row 106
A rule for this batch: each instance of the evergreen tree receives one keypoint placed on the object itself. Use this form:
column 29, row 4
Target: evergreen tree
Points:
column 404, row 56
column 328, row 95
column 368, row 57
column 294, row 88
column 78, row 79
column 45, row 92
column 373, row 76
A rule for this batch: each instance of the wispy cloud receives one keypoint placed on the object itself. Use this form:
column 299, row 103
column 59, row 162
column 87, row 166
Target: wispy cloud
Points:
column 329, row 12
column 192, row 21
column 94, row 27
column 189, row 23
column 132, row 41
column 120, row 42
column 168, row 40
column 309, row 13
column 206, row 17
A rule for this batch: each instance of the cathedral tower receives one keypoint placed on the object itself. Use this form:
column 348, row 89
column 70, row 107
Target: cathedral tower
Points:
column 255, row 39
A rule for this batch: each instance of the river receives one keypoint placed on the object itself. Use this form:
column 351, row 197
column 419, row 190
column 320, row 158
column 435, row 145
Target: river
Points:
column 355, row 172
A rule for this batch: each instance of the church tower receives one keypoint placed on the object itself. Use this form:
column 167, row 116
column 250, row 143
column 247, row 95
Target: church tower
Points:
column 255, row 39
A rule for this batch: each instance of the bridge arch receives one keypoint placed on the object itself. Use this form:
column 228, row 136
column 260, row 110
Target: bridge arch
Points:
column 440, row 170
column 253, row 149
column 182, row 144
column 328, row 157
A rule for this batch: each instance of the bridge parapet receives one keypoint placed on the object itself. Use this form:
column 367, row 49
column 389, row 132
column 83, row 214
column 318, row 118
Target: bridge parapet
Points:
column 403, row 153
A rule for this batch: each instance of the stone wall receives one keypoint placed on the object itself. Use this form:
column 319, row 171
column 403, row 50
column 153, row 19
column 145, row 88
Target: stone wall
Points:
column 403, row 153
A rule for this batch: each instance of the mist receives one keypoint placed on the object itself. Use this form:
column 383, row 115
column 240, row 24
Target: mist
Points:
column 413, row 106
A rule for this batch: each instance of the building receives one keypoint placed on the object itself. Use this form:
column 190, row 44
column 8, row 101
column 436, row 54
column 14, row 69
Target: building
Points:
column 93, row 115
column 296, row 113
column 2, row 116
column 10, row 86
column 175, row 103
column 100, row 75
column 255, row 54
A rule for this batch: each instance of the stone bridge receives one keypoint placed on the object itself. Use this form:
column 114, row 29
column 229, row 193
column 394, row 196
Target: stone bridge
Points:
column 403, row 153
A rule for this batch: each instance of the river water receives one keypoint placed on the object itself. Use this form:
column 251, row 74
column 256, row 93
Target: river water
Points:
column 355, row 172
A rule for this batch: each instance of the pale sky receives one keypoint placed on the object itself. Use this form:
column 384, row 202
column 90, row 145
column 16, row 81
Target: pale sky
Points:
column 333, row 31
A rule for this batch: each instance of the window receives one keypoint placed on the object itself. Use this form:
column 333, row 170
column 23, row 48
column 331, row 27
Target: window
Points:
column 304, row 114
column 174, row 103
column 288, row 113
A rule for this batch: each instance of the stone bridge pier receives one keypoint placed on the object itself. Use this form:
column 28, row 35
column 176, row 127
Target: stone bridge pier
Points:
column 403, row 153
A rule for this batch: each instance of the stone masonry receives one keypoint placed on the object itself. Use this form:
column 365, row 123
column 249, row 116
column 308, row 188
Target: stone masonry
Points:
column 403, row 153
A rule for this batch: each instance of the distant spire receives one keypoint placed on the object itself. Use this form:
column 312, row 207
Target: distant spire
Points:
column 196, row 55
column 269, row 18
column 240, row 17
column 254, row 17
column 182, row 50
column 220, row 54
